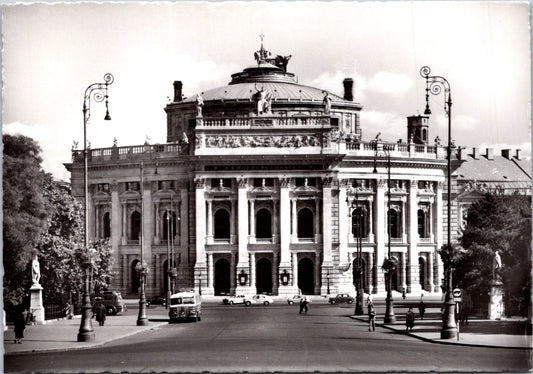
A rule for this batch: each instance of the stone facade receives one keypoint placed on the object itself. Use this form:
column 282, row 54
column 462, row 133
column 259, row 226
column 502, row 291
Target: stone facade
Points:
column 265, row 185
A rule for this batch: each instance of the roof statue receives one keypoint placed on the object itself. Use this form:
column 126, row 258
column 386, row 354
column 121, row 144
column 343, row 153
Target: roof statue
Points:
column 263, row 56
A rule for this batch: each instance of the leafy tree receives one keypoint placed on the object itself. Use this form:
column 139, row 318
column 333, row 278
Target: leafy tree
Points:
column 25, row 212
column 498, row 223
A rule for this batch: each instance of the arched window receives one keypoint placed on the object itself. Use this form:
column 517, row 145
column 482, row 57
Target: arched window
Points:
column 305, row 223
column 424, row 134
column 263, row 225
column 107, row 225
column 394, row 223
column 135, row 225
column 359, row 223
column 222, row 224
column 169, row 223
column 422, row 224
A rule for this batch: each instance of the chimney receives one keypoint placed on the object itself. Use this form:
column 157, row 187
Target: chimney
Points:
column 348, row 89
column 490, row 154
column 461, row 154
column 475, row 153
column 177, row 91
column 518, row 154
column 506, row 153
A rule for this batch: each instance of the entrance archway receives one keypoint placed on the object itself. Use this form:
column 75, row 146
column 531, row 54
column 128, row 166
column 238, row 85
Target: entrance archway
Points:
column 263, row 276
column 135, row 279
column 306, row 282
column 222, row 277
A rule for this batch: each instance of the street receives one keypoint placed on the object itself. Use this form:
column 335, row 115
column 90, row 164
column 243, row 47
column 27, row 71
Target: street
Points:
column 271, row 338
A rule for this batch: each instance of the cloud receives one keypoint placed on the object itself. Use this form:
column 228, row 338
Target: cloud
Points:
column 391, row 125
column 389, row 83
column 37, row 132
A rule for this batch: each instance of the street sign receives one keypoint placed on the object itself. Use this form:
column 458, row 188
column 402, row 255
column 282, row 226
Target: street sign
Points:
column 456, row 295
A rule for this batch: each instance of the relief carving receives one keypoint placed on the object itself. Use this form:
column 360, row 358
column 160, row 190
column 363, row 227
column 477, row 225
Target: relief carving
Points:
column 279, row 141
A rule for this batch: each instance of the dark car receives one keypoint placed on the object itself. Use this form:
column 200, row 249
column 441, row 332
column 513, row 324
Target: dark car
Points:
column 341, row 298
column 156, row 300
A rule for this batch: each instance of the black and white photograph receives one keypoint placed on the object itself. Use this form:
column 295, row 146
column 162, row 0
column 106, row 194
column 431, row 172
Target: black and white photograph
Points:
column 266, row 186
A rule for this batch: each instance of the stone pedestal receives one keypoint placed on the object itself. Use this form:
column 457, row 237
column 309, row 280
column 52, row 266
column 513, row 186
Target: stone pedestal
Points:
column 496, row 306
column 36, row 304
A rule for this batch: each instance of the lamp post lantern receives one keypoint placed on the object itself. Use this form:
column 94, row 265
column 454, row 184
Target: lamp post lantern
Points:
column 98, row 92
column 389, row 265
column 434, row 85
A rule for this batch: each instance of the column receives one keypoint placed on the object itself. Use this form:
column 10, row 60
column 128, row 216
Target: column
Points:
column 285, row 223
column 209, row 221
column 200, row 265
column 184, row 226
column 317, row 221
column 294, row 274
column 252, row 271
column 275, row 274
column 210, row 274
column 148, row 229
column 125, row 272
column 371, row 220
column 157, row 272
column 275, row 229
column 413, row 284
column 403, row 269
column 430, row 273
column 243, row 262
column 157, row 223
column 116, row 217
column 369, row 272
column 233, row 222
column 232, row 274
column 343, row 222
column 404, row 223
column 380, row 232
column 124, row 214
column 252, row 221
column 294, row 217
column 97, row 232
column 318, row 280
column 439, row 222
column 326, row 221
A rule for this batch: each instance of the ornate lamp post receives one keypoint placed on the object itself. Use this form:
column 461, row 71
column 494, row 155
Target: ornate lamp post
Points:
column 435, row 84
column 142, row 268
column 97, row 91
column 358, row 268
column 390, row 264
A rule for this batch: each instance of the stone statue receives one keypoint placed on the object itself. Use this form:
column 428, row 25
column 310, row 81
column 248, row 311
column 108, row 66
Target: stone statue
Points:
column 35, row 271
column 496, row 266
column 199, row 105
column 327, row 103
column 114, row 142
column 263, row 100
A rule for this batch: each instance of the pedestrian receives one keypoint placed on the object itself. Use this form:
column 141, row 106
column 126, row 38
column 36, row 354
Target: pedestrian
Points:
column 371, row 317
column 369, row 300
column 100, row 314
column 302, row 304
column 410, row 320
column 305, row 303
column 20, row 323
column 421, row 309
column 403, row 293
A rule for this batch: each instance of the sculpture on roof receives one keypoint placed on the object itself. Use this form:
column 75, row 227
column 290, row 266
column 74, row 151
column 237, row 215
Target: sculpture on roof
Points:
column 199, row 105
column 262, row 100
column 263, row 56
column 327, row 103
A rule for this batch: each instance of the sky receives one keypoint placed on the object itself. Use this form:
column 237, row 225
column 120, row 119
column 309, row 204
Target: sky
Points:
column 53, row 52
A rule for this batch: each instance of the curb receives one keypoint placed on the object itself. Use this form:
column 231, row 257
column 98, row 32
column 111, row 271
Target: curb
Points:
column 89, row 345
column 440, row 341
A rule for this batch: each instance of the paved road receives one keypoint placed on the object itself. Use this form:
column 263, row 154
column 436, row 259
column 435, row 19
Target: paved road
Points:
column 273, row 338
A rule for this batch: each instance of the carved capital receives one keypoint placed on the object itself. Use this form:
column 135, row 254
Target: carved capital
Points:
column 382, row 183
column 343, row 183
column 114, row 186
column 242, row 182
column 199, row 182
column 326, row 182
column 284, row 182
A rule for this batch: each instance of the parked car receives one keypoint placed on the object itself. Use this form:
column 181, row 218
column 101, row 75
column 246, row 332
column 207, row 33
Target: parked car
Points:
column 258, row 299
column 238, row 299
column 341, row 298
column 295, row 299
column 112, row 300
column 156, row 300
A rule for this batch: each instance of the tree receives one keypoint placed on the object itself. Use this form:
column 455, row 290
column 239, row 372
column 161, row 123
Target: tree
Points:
column 498, row 223
column 25, row 212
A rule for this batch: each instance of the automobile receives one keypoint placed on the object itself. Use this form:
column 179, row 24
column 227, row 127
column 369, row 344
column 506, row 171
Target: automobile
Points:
column 258, row 299
column 112, row 300
column 156, row 300
column 295, row 299
column 185, row 305
column 341, row 298
column 238, row 299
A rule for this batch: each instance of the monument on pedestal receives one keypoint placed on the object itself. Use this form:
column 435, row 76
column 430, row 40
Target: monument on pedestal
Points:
column 36, row 293
column 496, row 292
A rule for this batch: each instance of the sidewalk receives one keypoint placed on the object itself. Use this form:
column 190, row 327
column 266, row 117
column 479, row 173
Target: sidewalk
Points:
column 505, row 333
column 60, row 335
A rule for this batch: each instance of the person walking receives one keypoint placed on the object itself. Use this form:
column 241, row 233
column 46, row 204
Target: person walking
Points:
column 410, row 320
column 421, row 309
column 371, row 317
column 100, row 314
column 20, row 323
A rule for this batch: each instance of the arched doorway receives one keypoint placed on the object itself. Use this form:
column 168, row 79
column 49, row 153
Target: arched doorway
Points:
column 222, row 277
column 135, row 278
column 422, row 271
column 222, row 224
column 305, row 223
column 263, row 276
column 263, row 227
column 306, row 282
column 363, row 273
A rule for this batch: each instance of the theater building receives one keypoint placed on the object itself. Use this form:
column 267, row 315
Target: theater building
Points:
column 266, row 185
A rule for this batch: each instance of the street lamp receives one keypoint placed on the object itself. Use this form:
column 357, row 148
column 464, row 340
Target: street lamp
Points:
column 435, row 84
column 389, row 265
column 142, row 320
column 98, row 91
column 358, row 268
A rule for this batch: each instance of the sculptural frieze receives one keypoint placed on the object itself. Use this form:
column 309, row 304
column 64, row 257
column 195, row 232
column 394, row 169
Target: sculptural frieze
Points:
column 279, row 141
